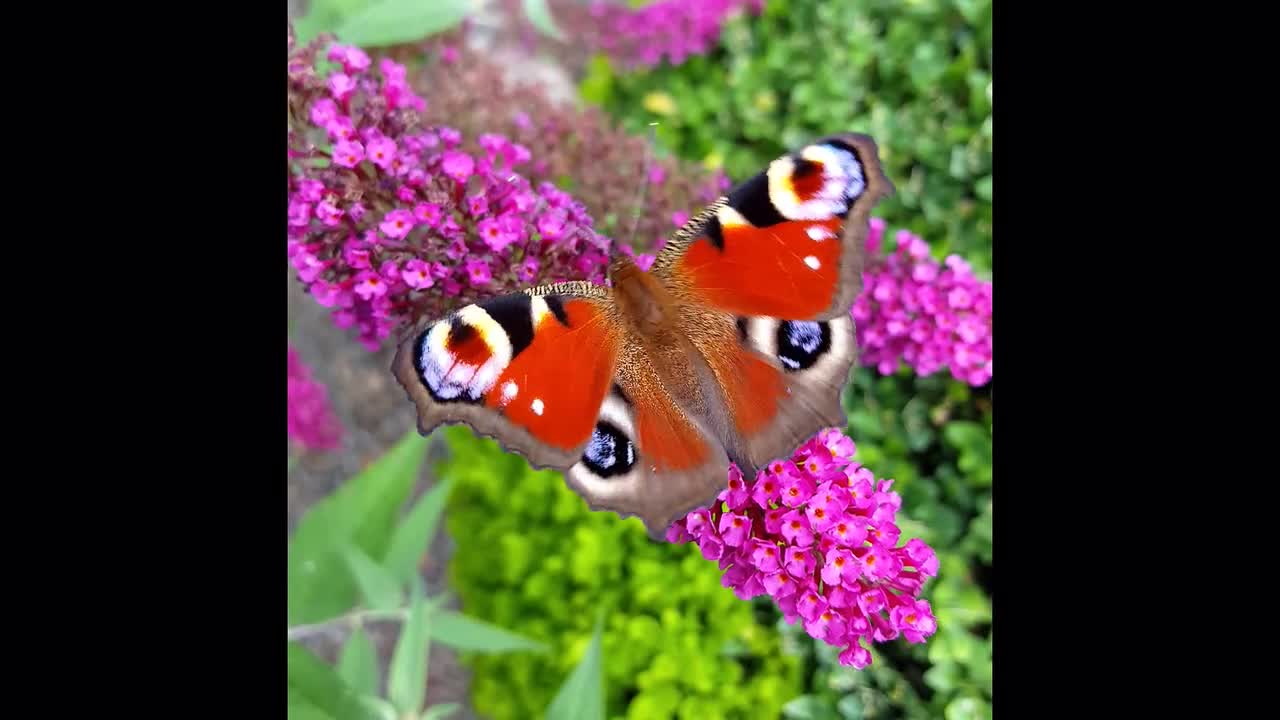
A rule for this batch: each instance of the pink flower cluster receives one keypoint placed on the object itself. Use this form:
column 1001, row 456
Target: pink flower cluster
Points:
column 312, row 422
column 929, row 314
column 394, row 220
column 670, row 29
column 816, row 533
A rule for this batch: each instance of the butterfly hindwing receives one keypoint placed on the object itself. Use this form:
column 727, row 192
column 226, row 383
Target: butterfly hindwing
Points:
column 530, row 369
column 648, row 457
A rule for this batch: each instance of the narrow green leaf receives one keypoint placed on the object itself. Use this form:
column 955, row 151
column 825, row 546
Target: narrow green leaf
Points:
column 391, row 22
column 314, row 688
column 361, row 513
column 407, row 678
column 380, row 588
column 465, row 633
column 298, row 708
column 379, row 708
column 412, row 538
column 581, row 697
column 438, row 712
column 540, row 16
column 358, row 664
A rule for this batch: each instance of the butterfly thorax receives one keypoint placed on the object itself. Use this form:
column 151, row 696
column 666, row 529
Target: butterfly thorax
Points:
column 643, row 302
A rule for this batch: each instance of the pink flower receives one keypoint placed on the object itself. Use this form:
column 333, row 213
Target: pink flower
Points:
column 735, row 529
column 849, row 582
column 312, row 422
column 299, row 213
column 679, row 218
column 915, row 311
column 348, row 153
column 381, row 151
column 797, row 490
column 397, row 224
column 478, row 273
column 765, row 490
column 765, row 556
column 417, row 274
column 551, row 224
column 458, row 166
column 370, row 285
column 328, row 214
column 736, row 495
column 341, row 85
column 353, row 59
column 348, row 217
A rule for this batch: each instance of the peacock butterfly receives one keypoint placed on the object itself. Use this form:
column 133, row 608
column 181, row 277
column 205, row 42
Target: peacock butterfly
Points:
column 735, row 346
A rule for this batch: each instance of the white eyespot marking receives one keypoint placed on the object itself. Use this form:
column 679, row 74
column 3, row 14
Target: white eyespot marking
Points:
column 539, row 310
column 444, row 375
column 537, row 406
column 812, row 262
column 509, row 391
column 842, row 183
column 819, row 233
column 729, row 217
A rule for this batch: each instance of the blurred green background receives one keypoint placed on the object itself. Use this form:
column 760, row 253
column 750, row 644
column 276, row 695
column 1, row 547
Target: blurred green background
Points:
column 530, row 559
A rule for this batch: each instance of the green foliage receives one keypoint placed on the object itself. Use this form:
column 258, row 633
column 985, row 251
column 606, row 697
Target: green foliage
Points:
column 332, row 554
column 379, row 23
column 382, row 23
column 916, row 76
column 533, row 558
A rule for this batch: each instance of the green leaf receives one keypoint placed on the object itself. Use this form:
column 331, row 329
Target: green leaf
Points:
column 358, row 664
column 850, row 707
column 464, row 633
column 360, row 513
column 407, row 678
column 435, row 712
column 540, row 16
column 982, row 188
column 808, row 707
column 391, row 22
column 581, row 697
column 412, row 538
column 316, row 691
column 380, row 588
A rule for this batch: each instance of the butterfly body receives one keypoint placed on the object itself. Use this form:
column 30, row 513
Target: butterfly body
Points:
column 734, row 347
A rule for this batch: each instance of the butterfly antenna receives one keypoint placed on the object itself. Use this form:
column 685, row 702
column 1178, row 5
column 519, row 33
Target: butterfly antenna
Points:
column 644, row 182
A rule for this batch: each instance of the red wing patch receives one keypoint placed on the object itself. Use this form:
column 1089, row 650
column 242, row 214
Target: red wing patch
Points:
column 554, row 387
column 787, row 270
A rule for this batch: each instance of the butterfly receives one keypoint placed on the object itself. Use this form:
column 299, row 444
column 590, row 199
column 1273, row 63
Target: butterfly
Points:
column 734, row 347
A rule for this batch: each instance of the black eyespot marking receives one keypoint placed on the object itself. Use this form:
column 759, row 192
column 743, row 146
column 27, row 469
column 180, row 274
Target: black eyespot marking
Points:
column 742, row 329
column 714, row 233
column 617, row 391
column 804, row 168
column 459, row 332
column 515, row 314
column 801, row 343
column 557, row 308
column 609, row 453
column 751, row 200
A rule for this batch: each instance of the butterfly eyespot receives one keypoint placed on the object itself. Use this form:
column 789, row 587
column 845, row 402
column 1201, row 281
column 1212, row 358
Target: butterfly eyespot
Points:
column 609, row 453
